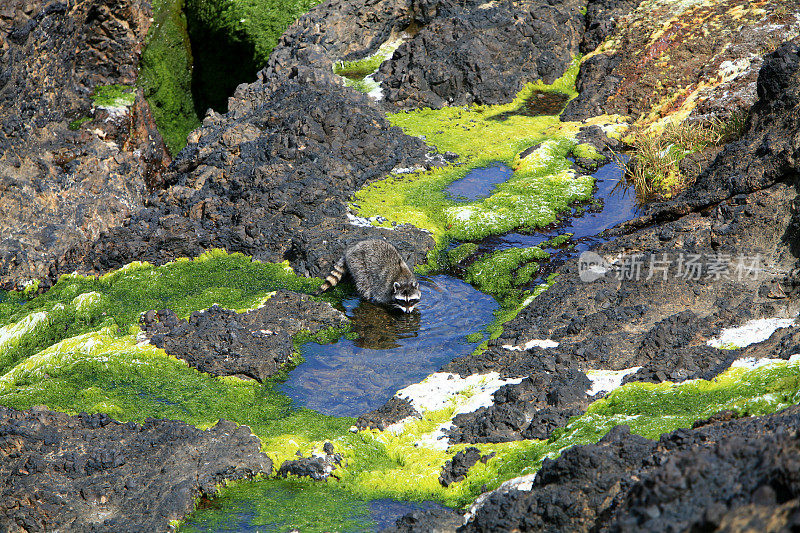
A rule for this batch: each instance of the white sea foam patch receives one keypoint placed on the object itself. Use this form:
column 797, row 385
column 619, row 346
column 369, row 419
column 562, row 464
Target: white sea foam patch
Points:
column 533, row 343
column 608, row 380
column 752, row 332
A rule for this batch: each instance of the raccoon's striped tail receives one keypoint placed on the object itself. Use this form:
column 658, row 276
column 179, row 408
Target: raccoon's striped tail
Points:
column 339, row 270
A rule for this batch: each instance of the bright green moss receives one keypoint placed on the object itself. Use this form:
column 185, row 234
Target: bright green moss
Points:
column 76, row 124
column 165, row 75
column 355, row 72
column 101, row 372
column 230, row 280
column 113, row 96
column 542, row 184
column 461, row 252
column 495, row 273
column 587, row 151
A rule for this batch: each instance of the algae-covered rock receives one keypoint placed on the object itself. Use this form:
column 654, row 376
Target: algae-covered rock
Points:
column 72, row 164
column 92, row 473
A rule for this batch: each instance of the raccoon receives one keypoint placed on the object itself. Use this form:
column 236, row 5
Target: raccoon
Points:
column 380, row 275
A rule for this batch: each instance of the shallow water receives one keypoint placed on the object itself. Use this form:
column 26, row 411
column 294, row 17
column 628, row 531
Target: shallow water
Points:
column 392, row 350
column 479, row 182
column 282, row 505
column 538, row 103
column 619, row 205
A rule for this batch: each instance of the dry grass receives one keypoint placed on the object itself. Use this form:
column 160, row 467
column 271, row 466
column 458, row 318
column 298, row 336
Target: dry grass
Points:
column 654, row 163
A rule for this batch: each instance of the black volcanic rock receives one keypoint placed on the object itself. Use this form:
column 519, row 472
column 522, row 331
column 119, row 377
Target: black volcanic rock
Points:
column 691, row 479
column 482, row 52
column 92, row 473
column 255, row 344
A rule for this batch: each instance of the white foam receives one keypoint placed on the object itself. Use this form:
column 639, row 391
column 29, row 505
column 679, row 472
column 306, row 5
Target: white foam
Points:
column 752, row 332
column 439, row 389
column 607, row 380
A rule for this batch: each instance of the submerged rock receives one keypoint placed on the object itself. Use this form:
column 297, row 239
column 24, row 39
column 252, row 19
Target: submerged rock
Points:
column 92, row 473
column 255, row 344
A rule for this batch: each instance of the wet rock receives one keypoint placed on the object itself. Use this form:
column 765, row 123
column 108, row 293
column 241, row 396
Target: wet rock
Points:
column 689, row 479
column 317, row 467
column 428, row 521
column 70, row 169
column 92, row 473
column 436, row 520
column 255, row 344
column 393, row 411
column 456, row 469
column 531, row 409
column 482, row 53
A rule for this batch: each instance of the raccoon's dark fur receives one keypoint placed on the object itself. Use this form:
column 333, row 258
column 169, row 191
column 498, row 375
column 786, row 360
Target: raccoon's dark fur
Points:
column 380, row 275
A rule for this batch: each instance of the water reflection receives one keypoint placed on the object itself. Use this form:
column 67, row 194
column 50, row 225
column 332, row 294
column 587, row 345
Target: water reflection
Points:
column 391, row 351
column 479, row 182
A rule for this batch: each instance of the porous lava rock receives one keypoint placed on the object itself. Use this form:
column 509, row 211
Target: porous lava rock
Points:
column 92, row 473
column 456, row 469
column 393, row 411
column 69, row 168
column 255, row 344
column 436, row 520
column 317, row 467
column 482, row 52
column 531, row 409
column 689, row 479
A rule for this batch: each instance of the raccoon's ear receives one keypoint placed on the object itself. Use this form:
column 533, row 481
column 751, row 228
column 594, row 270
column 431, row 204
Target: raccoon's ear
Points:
column 396, row 285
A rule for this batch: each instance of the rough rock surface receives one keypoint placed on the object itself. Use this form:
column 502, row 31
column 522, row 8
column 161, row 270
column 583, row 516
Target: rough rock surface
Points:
column 62, row 185
column 482, row 52
column 531, row 409
column 456, row 469
column 92, row 473
column 393, row 411
column 255, row 344
column 436, row 520
column 690, row 479
column 699, row 59
column 318, row 467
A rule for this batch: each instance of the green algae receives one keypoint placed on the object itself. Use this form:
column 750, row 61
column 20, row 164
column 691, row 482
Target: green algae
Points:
column 499, row 273
column 113, row 96
column 542, row 185
column 230, row 280
column 165, row 74
column 283, row 505
column 356, row 73
column 76, row 124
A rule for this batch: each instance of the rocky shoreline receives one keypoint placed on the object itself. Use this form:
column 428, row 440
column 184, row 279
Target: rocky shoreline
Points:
column 88, row 187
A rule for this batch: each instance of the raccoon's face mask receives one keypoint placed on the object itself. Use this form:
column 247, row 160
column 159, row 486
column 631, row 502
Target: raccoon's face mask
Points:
column 406, row 296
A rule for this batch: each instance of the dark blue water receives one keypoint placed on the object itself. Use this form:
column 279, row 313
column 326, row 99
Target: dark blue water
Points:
column 479, row 182
column 619, row 205
column 392, row 350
